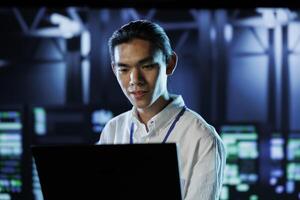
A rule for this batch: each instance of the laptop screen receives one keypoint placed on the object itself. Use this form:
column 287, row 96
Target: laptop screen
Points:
column 138, row 171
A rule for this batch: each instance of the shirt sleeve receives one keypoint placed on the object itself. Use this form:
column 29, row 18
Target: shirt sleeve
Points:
column 207, row 173
column 107, row 134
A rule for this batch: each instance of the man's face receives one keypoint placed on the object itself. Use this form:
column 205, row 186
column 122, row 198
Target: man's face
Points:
column 141, row 72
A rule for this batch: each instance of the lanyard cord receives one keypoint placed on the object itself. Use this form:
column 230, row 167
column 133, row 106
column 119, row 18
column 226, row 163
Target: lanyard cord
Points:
column 169, row 131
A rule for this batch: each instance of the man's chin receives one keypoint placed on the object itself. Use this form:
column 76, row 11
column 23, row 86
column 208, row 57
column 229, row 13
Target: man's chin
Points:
column 141, row 105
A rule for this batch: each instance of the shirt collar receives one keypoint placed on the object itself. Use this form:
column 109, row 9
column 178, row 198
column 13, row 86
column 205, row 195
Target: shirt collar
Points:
column 164, row 117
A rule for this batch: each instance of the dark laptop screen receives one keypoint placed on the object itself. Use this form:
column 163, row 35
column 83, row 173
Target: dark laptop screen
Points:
column 139, row 171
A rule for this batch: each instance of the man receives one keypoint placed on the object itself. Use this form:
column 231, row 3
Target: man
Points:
column 142, row 59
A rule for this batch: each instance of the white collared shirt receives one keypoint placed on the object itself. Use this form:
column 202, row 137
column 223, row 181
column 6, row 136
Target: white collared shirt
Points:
column 201, row 152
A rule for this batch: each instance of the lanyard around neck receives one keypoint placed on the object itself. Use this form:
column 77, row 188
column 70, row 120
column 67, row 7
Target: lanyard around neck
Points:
column 169, row 131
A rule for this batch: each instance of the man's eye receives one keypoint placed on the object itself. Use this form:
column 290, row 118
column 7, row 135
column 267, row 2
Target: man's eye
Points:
column 122, row 69
column 150, row 66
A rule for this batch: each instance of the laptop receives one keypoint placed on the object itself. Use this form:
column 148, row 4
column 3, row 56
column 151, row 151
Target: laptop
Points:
column 108, row 172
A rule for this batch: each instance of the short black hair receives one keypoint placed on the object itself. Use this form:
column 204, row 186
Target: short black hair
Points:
column 141, row 29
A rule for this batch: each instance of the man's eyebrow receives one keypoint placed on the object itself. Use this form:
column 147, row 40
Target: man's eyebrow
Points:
column 121, row 64
column 145, row 60
column 140, row 62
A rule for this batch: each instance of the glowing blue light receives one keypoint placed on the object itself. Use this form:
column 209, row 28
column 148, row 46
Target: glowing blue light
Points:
column 277, row 141
column 279, row 189
column 101, row 116
column 67, row 27
column 277, row 172
column 242, row 187
column 213, row 34
column 85, row 43
column 273, row 181
column 252, row 177
column 11, row 126
column 290, row 186
column 40, row 121
column 277, row 153
column 4, row 196
column 86, row 68
column 228, row 32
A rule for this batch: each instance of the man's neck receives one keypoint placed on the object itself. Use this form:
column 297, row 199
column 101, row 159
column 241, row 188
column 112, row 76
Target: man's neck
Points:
column 146, row 114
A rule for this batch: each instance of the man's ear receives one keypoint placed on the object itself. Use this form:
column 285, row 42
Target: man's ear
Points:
column 113, row 67
column 172, row 63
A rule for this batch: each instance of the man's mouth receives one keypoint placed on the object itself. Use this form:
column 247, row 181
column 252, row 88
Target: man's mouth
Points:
column 138, row 94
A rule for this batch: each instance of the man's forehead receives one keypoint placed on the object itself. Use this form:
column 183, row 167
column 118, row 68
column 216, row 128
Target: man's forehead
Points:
column 136, row 52
column 135, row 44
column 146, row 60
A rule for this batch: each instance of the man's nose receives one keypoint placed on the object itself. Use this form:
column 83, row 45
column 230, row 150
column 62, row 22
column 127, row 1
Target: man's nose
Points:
column 136, row 76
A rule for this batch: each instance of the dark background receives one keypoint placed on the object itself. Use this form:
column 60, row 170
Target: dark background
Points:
column 236, row 66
